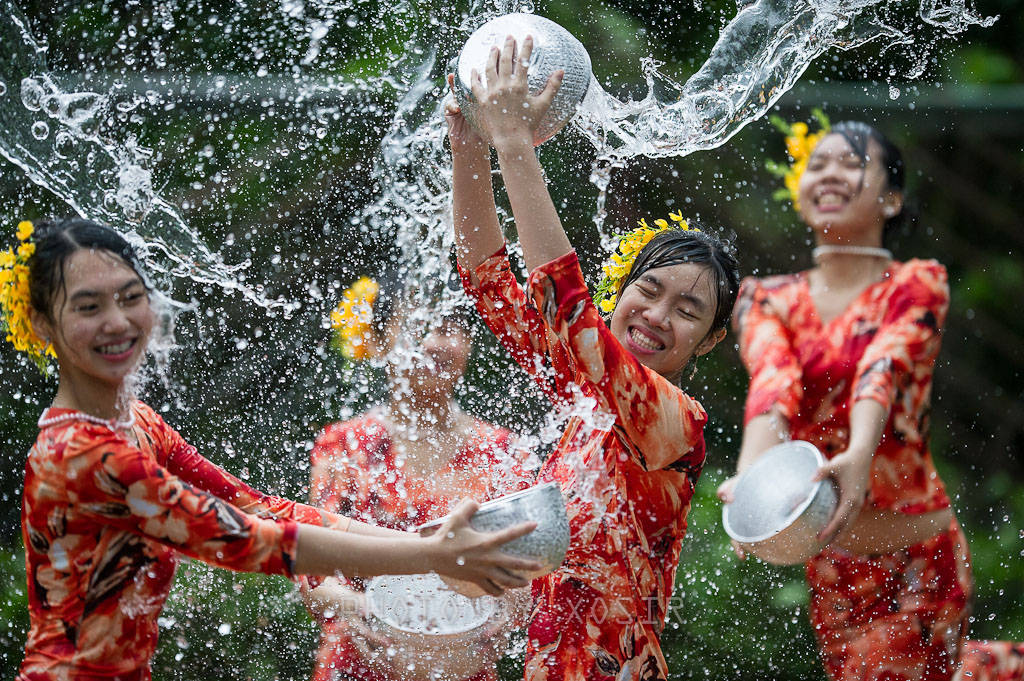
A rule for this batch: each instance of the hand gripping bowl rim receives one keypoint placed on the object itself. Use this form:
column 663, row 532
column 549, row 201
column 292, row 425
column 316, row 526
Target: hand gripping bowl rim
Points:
column 797, row 511
column 494, row 504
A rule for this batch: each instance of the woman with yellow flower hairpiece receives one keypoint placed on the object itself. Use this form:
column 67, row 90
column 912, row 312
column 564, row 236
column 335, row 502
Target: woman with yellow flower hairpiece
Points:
column 628, row 469
column 401, row 463
column 112, row 494
column 842, row 356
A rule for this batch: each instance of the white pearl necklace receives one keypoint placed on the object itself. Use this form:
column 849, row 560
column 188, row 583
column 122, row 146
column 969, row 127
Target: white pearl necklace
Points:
column 112, row 424
column 848, row 249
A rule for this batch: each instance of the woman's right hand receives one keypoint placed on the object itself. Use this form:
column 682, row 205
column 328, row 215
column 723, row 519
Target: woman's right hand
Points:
column 470, row 556
column 725, row 494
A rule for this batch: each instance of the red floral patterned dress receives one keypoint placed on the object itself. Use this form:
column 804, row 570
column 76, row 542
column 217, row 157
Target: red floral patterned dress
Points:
column 903, row 615
column 103, row 520
column 627, row 463
column 357, row 472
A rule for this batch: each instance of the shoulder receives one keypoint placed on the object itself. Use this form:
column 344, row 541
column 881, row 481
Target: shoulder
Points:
column 921, row 279
column 775, row 292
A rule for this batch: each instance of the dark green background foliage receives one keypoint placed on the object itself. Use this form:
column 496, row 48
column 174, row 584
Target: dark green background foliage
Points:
column 282, row 183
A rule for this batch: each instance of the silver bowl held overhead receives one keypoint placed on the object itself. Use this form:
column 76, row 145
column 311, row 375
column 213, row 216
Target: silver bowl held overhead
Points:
column 543, row 504
column 554, row 48
column 777, row 509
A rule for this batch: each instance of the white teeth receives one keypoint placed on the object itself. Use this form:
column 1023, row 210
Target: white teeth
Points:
column 115, row 349
column 643, row 341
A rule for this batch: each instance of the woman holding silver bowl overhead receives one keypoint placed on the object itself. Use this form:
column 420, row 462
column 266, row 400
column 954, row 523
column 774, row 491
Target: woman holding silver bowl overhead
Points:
column 842, row 356
column 630, row 456
column 398, row 465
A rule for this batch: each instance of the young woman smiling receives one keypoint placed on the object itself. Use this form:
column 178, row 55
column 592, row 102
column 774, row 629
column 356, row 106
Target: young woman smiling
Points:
column 112, row 493
column 632, row 451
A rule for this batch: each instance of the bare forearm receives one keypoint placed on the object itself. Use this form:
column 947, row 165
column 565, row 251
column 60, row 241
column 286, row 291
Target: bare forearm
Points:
column 367, row 530
column 477, row 232
column 867, row 424
column 761, row 433
column 324, row 552
column 540, row 230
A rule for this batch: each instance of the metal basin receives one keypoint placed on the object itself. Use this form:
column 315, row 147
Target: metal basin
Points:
column 777, row 510
column 436, row 633
column 542, row 504
column 553, row 48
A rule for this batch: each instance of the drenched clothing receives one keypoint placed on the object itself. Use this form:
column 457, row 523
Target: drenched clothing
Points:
column 357, row 472
column 627, row 462
column 103, row 519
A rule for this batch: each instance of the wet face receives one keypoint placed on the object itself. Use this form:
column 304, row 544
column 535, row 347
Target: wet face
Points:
column 434, row 365
column 101, row 322
column 846, row 199
column 664, row 317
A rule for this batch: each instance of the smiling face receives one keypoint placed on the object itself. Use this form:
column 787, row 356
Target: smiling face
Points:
column 435, row 364
column 664, row 317
column 100, row 322
column 846, row 199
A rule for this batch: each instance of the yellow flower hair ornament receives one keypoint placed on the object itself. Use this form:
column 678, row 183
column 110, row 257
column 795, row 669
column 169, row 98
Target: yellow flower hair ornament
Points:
column 621, row 262
column 16, row 301
column 800, row 144
column 351, row 319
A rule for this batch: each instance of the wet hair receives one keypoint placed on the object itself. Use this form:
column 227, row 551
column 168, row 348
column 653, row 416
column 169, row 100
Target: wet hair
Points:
column 676, row 247
column 393, row 295
column 56, row 241
column 859, row 135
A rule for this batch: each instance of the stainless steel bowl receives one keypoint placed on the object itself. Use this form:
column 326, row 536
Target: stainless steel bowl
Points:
column 777, row 509
column 436, row 633
column 542, row 504
column 553, row 48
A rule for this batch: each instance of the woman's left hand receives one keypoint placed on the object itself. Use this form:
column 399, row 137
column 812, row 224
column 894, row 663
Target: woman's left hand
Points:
column 850, row 470
column 505, row 108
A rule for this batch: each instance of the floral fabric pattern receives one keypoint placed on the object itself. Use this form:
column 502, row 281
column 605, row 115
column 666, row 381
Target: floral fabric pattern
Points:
column 627, row 462
column 103, row 519
column 357, row 472
column 882, row 347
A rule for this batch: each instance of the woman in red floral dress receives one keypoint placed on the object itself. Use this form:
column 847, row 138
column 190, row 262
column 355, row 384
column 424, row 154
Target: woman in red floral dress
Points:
column 842, row 356
column 633, row 447
column 112, row 493
column 399, row 465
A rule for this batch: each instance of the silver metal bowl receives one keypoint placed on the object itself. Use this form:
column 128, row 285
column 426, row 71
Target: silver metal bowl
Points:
column 777, row 509
column 542, row 504
column 436, row 633
column 554, row 48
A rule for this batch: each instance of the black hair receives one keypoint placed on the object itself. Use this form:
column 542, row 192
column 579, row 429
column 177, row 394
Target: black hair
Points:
column 56, row 241
column 678, row 246
column 393, row 294
column 858, row 135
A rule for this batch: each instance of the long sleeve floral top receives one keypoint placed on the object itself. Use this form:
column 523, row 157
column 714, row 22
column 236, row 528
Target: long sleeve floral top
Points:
column 356, row 471
column 882, row 347
column 627, row 463
column 103, row 519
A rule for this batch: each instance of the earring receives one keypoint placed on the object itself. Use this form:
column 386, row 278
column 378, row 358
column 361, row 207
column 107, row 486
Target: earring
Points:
column 693, row 371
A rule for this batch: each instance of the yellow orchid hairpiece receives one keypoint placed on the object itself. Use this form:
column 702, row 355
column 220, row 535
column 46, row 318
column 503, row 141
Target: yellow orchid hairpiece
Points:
column 621, row 262
column 351, row 319
column 800, row 144
column 16, row 299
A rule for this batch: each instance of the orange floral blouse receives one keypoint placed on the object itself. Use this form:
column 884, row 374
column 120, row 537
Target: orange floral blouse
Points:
column 882, row 347
column 357, row 472
column 627, row 462
column 103, row 520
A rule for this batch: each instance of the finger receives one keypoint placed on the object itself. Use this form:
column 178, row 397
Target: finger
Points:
column 550, row 89
column 822, row 473
column 517, row 565
column 836, row 524
column 508, row 57
column 476, row 85
column 451, row 82
column 523, row 59
column 510, row 533
column 492, row 64
column 508, row 580
column 738, row 550
column 464, row 511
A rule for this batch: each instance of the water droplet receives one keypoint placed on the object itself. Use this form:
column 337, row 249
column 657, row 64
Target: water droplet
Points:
column 40, row 130
column 224, row 629
column 3, row 88
column 31, row 94
column 894, row 92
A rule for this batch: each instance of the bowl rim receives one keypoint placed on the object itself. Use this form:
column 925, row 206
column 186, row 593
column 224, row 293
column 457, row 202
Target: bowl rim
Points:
column 493, row 504
column 377, row 582
column 797, row 511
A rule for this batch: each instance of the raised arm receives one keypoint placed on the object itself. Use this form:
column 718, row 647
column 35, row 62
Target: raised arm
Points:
column 509, row 114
